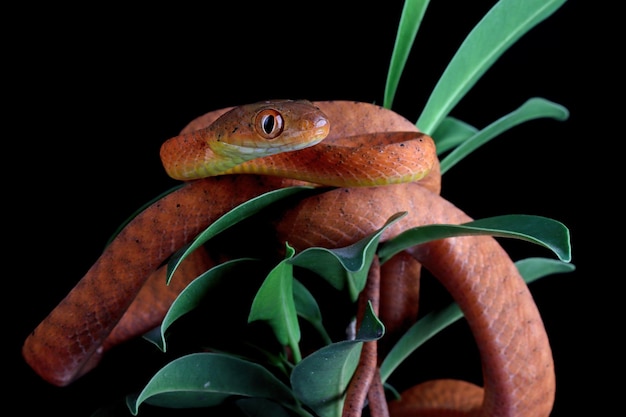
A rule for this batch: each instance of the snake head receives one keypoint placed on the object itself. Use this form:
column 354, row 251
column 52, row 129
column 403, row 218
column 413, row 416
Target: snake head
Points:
column 269, row 127
column 244, row 133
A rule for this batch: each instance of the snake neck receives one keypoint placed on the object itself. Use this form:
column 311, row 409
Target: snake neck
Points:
column 186, row 157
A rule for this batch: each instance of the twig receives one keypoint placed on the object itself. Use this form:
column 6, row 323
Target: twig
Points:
column 361, row 382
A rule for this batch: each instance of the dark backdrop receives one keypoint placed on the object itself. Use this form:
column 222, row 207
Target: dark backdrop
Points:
column 96, row 91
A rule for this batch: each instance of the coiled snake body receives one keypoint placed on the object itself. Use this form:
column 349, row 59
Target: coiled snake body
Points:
column 382, row 165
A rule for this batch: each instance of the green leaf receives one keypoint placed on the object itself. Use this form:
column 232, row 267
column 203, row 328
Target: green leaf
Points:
column 234, row 216
column 542, row 231
column 349, row 264
column 410, row 20
column 418, row 334
column 206, row 380
column 274, row 303
column 501, row 27
column 321, row 379
column 532, row 269
column 432, row 323
column 532, row 109
column 194, row 293
column 307, row 308
column 451, row 132
column 371, row 327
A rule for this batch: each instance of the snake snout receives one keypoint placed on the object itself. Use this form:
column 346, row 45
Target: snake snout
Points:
column 319, row 127
column 314, row 125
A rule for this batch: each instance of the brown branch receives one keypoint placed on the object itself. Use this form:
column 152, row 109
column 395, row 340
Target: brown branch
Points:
column 361, row 382
column 376, row 397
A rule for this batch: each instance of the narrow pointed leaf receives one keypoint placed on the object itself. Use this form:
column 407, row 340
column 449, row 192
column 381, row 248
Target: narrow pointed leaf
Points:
column 501, row 27
column 348, row 265
column 534, row 268
column 192, row 295
column 532, row 109
column 207, row 379
column 410, row 20
column 234, row 216
column 320, row 380
column 451, row 132
column 274, row 303
column 432, row 323
column 418, row 334
column 542, row 231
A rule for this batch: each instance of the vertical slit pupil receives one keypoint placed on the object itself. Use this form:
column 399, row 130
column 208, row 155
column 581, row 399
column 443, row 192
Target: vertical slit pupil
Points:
column 268, row 124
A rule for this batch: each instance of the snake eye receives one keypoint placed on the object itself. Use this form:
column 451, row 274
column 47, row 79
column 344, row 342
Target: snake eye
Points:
column 269, row 123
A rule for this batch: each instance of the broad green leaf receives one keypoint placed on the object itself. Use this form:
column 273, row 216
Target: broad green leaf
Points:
column 206, row 380
column 194, row 293
column 348, row 265
column 451, row 132
column 234, row 216
column 308, row 309
column 532, row 109
column 321, row 379
column 542, row 231
column 432, row 323
column 410, row 20
column 501, row 27
column 274, row 304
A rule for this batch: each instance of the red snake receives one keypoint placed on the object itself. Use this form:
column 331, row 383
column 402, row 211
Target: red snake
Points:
column 122, row 294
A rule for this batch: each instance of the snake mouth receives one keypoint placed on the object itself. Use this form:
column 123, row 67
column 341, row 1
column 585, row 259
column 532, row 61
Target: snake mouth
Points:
column 245, row 152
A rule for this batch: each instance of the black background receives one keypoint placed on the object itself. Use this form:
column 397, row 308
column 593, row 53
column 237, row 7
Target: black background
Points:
column 92, row 94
